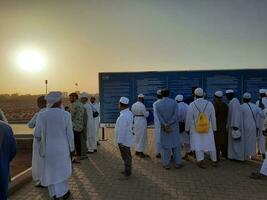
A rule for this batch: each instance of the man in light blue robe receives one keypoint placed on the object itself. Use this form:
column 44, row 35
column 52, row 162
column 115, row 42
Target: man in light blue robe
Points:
column 7, row 153
column 167, row 112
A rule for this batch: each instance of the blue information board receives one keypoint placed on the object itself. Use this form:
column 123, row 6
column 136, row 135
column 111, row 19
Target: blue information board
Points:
column 114, row 85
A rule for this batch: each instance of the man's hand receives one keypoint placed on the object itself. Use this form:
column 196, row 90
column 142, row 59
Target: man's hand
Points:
column 235, row 128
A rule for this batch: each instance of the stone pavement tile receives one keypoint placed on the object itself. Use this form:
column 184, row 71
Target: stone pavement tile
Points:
column 98, row 178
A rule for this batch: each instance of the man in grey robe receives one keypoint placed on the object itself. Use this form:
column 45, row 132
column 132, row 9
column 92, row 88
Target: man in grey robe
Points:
column 167, row 112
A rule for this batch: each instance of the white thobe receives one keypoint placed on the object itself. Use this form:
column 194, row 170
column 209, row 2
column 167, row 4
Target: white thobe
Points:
column 36, row 159
column 251, row 114
column 123, row 128
column 91, row 136
column 157, row 128
column 236, row 148
column 97, row 120
column 140, row 126
column 261, row 139
column 264, row 166
column 201, row 141
column 182, row 112
column 54, row 129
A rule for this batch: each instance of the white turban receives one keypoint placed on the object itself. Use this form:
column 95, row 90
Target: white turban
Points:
column 84, row 95
column 124, row 100
column 247, row 95
column 158, row 92
column 262, row 91
column 218, row 94
column 199, row 92
column 141, row 96
column 229, row 91
column 52, row 98
column 179, row 97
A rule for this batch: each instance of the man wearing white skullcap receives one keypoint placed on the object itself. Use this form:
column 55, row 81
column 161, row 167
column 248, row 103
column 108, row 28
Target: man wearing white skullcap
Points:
column 202, row 141
column 90, row 123
column 251, row 117
column 261, row 139
column 96, row 111
column 157, row 126
column 261, row 103
column 236, row 139
column 36, row 159
column 54, row 132
column 84, row 97
column 140, row 126
column 184, row 136
column 123, row 135
column 221, row 137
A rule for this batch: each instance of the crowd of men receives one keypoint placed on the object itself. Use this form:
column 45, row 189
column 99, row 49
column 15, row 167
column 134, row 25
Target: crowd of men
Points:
column 183, row 128
column 195, row 127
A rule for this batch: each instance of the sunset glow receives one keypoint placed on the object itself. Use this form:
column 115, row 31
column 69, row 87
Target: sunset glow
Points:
column 31, row 60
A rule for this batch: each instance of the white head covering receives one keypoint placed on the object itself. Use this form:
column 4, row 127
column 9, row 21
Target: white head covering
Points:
column 158, row 92
column 52, row 98
column 246, row 95
column 218, row 94
column 262, row 91
column 141, row 96
column 229, row 91
column 199, row 92
column 179, row 97
column 124, row 100
column 84, row 95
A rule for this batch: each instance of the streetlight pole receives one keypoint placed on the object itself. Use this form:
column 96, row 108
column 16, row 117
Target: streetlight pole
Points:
column 46, row 82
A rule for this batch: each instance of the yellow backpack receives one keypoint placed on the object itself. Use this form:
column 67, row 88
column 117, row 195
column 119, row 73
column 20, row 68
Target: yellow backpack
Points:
column 202, row 124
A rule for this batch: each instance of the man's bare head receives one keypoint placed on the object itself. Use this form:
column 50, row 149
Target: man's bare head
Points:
column 41, row 102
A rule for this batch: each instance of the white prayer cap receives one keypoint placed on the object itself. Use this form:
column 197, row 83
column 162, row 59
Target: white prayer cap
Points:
column 262, row 91
column 229, row 91
column 158, row 92
column 84, row 95
column 246, row 95
column 52, row 98
column 141, row 96
column 179, row 97
column 199, row 92
column 124, row 100
column 218, row 94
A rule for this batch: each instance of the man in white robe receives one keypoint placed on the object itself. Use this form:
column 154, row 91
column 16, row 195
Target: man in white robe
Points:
column 123, row 135
column 157, row 127
column 54, row 132
column 236, row 138
column 91, row 136
column 250, row 113
column 184, row 136
column 261, row 139
column 201, row 142
column 36, row 159
column 140, row 126
column 96, row 109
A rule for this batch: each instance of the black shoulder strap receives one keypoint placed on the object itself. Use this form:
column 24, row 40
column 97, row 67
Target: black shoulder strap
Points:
column 252, row 114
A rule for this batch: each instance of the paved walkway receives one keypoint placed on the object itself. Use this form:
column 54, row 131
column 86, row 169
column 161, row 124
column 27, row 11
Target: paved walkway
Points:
column 98, row 178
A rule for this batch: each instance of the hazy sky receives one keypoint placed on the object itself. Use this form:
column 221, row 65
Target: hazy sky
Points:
column 81, row 38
